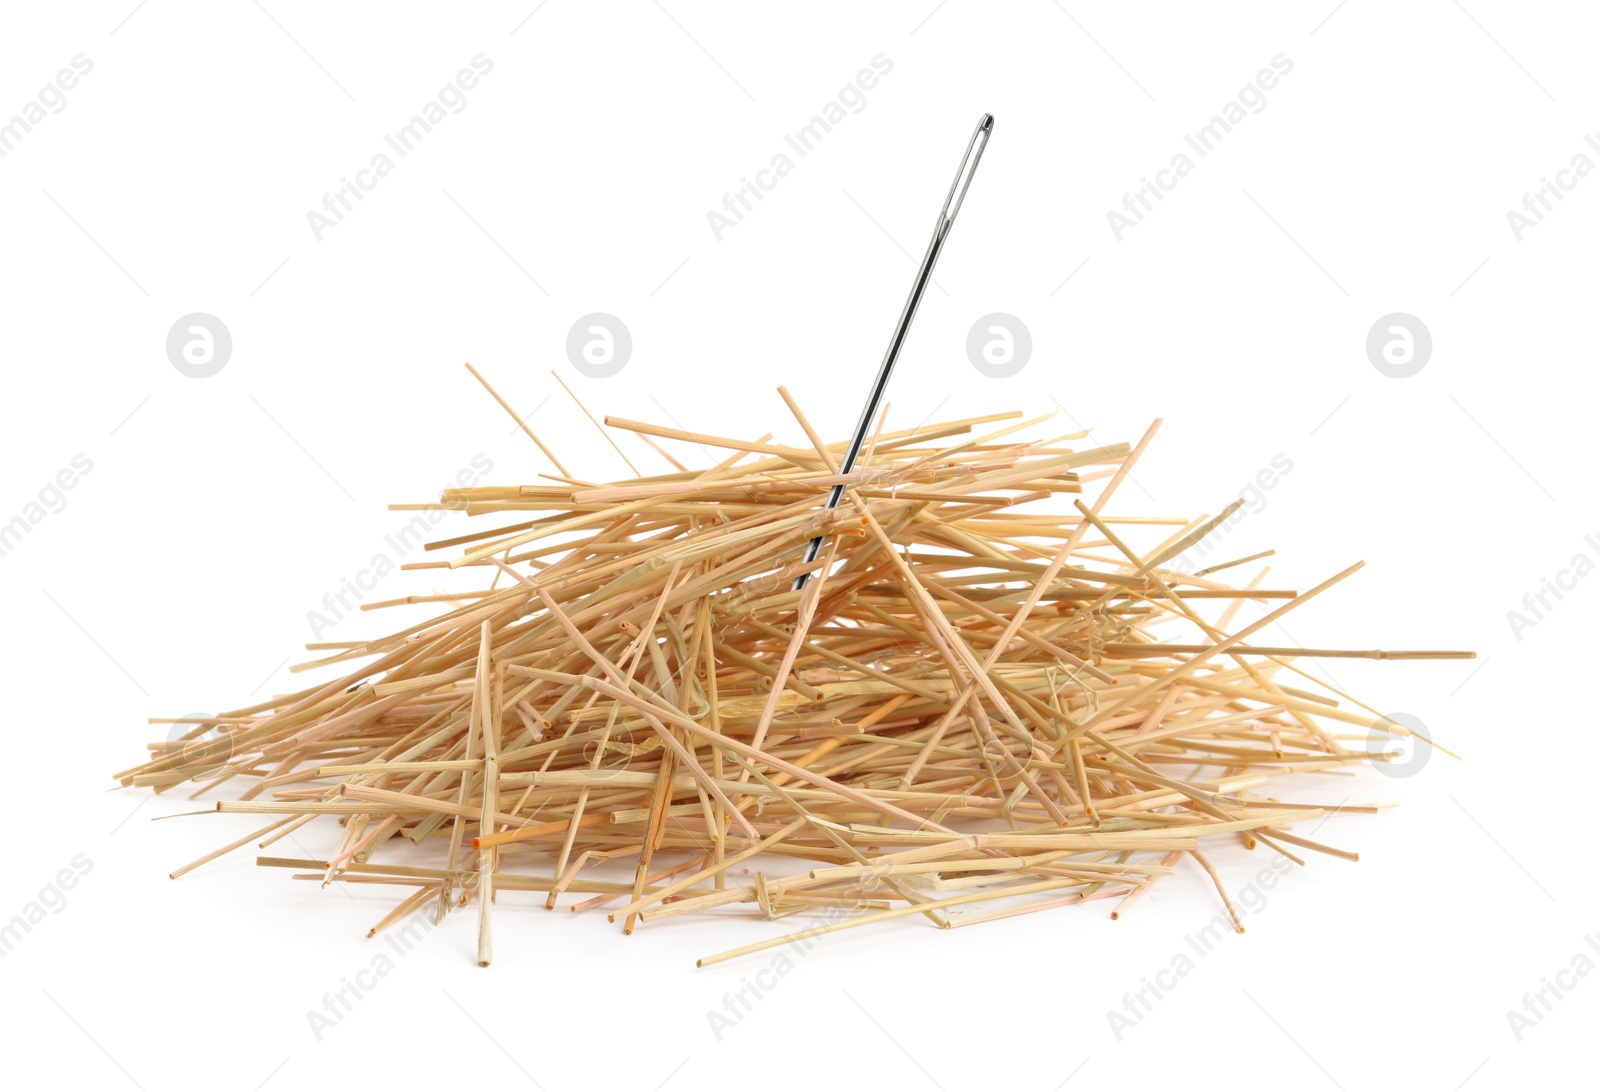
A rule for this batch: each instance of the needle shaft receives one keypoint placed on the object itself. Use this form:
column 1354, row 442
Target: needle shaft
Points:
column 941, row 231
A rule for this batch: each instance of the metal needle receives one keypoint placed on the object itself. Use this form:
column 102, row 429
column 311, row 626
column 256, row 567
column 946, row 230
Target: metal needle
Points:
column 941, row 229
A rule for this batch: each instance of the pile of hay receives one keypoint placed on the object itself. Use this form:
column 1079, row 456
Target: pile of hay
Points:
column 968, row 703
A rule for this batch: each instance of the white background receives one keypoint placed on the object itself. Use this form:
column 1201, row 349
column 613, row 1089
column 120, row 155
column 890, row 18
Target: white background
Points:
column 179, row 574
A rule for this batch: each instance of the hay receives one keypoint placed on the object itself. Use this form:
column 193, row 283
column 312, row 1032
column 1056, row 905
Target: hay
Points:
column 983, row 693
